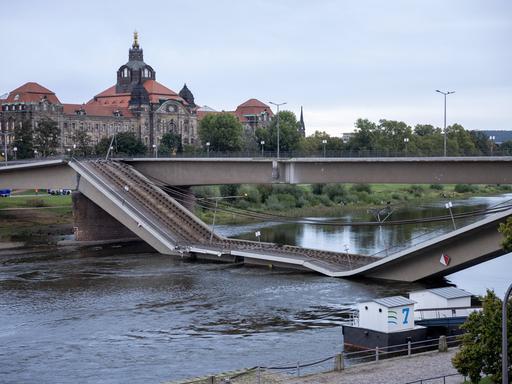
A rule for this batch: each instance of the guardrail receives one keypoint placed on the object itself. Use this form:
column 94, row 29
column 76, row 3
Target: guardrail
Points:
column 336, row 362
column 437, row 379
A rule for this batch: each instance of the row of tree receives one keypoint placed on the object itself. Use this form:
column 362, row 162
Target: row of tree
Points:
column 225, row 133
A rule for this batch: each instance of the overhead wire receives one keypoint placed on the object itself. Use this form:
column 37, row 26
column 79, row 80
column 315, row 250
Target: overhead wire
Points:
column 220, row 206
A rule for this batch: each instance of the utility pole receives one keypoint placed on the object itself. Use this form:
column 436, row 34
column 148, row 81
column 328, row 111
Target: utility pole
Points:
column 445, row 94
column 277, row 105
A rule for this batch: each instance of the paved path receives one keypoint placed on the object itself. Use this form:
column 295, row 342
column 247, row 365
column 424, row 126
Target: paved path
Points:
column 394, row 371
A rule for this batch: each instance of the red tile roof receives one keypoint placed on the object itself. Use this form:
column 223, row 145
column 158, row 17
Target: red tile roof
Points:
column 31, row 92
column 96, row 109
column 155, row 90
column 252, row 107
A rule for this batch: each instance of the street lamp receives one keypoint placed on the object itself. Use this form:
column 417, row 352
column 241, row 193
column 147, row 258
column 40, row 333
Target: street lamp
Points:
column 406, row 140
column 324, row 142
column 492, row 138
column 74, row 147
column 35, row 153
column 155, row 149
column 277, row 105
column 445, row 94
column 262, row 142
column 15, row 149
column 208, row 148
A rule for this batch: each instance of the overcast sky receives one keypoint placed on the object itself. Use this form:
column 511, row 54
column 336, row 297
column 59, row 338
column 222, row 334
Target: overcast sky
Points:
column 341, row 60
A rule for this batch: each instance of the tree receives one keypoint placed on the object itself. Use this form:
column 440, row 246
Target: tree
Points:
column 24, row 140
column 313, row 144
column 460, row 141
column 289, row 136
column 83, row 143
column 46, row 137
column 481, row 141
column 125, row 143
column 222, row 130
column 170, row 144
column 480, row 351
column 365, row 135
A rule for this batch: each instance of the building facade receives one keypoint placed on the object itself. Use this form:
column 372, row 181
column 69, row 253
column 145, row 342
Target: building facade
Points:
column 136, row 103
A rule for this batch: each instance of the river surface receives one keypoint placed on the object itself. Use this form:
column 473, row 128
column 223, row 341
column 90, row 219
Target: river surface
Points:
column 116, row 314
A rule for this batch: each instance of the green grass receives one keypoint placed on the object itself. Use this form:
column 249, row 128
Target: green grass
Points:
column 35, row 201
column 485, row 380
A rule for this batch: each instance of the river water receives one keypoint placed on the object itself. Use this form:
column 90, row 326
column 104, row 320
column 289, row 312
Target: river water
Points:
column 125, row 314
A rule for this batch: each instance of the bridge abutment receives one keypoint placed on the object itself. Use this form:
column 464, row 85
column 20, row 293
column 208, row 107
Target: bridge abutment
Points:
column 91, row 223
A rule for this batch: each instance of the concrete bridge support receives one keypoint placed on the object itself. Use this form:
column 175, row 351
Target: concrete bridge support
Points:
column 92, row 223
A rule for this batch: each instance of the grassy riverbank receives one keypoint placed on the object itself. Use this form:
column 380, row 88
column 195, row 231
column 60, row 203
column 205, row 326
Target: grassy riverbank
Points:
column 326, row 200
column 27, row 213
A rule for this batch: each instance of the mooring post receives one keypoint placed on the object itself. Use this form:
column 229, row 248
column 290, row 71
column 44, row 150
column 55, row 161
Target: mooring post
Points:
column 409, row 352
column 339, row 362
column 298, row 368
column 443, row 344
column 377, row 353
column 258, row 375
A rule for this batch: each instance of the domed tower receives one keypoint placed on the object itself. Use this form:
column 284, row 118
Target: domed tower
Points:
column 135, row 71
column 186, row 95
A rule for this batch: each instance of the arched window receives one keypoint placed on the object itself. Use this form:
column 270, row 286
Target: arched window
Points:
column 124, row 73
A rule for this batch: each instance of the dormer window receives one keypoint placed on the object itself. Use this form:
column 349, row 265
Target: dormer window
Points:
column 146, row 72
column 17, row 97
column 124, row 73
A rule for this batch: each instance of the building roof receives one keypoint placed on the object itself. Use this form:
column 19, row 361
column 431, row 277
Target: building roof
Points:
column 95, row 109
column 450, row 292
column 31, row 92
column 394, row 301
column 156, row 92
column 250, row 108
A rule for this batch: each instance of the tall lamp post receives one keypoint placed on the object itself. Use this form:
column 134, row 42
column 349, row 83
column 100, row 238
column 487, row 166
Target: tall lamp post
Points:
column 262, row 142
column 277, row 105
column 208, row 149
column 504, row 337
column 406, row 140
column 15, row 150
column 445, row 94
column 324, row 142
column 492, row 138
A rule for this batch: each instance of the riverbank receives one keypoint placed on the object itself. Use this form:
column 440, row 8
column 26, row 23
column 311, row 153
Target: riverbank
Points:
column 398, row 370
column 329, row 200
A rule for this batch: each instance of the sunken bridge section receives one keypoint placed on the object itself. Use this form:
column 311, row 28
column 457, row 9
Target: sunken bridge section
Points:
column 166, row 225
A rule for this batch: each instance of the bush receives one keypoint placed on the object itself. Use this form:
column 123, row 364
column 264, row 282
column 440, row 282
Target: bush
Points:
column 229, row 190
column 206, row 191
column 317, row 188
column 465, row 188
column 437, row 187
column 361, row 188
column 333, row 191
column 36, row 203
column 416, row 190
column 253, row 194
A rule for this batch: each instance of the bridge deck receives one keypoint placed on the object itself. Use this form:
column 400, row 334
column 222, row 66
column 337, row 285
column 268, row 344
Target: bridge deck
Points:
column 168, row 227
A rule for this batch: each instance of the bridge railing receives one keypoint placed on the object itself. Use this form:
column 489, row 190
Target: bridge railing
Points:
column 254, row 154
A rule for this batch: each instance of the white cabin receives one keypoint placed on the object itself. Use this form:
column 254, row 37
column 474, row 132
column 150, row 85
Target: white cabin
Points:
column 441, row 302
column 389, row 314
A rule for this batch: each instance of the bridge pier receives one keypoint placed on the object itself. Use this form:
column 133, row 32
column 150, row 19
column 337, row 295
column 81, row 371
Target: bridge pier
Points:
column 91, row 223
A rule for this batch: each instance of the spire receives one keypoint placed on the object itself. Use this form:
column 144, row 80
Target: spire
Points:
column 135, row 40
column 135, row 53
column 302, row 126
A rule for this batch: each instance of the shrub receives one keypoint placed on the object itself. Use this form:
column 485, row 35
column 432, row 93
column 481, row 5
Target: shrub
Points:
column 334, row 190
column 465, row 188
column 253, row 194
column 206, row 191
column 437, row 187
column 36, row 203
column 229, row 189
column 317, row 188
column 361, row 188
column 416, row 190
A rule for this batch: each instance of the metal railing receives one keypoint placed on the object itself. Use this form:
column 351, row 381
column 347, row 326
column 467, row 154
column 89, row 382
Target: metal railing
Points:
column 437, row 379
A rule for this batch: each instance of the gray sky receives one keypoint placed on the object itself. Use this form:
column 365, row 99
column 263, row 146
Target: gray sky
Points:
column 339, row 59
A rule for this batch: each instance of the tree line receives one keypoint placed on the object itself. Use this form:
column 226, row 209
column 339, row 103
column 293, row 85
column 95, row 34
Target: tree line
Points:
column 225, row 133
